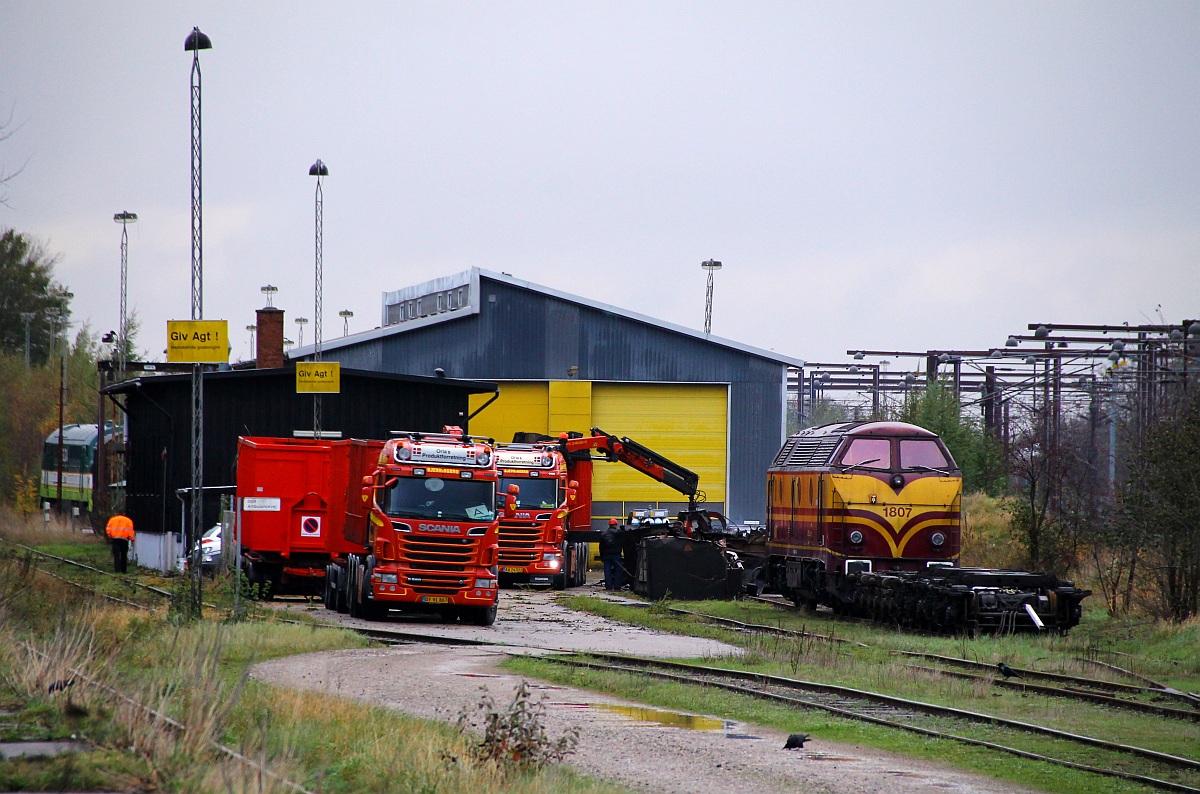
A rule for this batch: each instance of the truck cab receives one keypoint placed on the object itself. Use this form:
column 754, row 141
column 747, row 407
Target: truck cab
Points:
column 427, row 526
column 533, row 545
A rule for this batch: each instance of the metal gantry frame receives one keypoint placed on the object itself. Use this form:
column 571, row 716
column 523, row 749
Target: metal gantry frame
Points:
column 1040, row 374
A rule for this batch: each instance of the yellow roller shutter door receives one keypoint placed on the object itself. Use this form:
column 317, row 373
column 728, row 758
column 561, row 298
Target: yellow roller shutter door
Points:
column 683, row 422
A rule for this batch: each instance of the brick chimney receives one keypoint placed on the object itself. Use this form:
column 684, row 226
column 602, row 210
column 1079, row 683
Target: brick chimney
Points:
column 269, row 338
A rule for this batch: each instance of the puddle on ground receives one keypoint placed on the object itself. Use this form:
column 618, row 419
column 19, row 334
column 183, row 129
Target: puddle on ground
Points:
column 38, row 749
column 672, row 719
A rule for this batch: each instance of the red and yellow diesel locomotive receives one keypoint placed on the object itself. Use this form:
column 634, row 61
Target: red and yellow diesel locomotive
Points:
column 866, row 518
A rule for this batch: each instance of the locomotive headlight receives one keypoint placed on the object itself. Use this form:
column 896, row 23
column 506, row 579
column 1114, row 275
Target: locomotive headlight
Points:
column 897, row 481
column 856, row 537
column 937, row 539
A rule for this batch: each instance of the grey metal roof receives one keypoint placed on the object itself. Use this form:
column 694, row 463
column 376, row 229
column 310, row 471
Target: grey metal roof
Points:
column 473, row 276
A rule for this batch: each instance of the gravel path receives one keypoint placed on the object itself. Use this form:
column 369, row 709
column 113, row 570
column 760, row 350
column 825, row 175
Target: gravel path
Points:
column 617, row 741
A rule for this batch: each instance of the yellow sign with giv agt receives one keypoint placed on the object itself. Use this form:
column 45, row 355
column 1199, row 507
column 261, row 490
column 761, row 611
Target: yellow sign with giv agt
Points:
column 318, row 377
column 198, row 341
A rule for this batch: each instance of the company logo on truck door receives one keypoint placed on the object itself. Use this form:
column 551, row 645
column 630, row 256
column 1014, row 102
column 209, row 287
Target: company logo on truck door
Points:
column 445, row 529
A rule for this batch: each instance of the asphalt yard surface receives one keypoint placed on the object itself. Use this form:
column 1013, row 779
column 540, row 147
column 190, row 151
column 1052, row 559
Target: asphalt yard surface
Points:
column 640, row 747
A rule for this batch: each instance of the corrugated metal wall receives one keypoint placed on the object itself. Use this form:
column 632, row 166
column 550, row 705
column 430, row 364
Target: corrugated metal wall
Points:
column 522, row 334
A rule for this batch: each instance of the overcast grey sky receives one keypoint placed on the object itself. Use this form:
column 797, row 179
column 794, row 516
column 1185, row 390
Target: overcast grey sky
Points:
column 906, row 175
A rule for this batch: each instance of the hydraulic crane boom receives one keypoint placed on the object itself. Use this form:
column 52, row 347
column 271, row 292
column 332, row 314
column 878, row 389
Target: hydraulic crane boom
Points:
column 642, row 458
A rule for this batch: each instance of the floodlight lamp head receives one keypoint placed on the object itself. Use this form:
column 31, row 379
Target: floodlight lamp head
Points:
column 1011, row 342
column 944, row 358
column 1030, row 359
column 125, row 217
column 197, row 41
column 1194, row 329
column 710, row 265
column 1118, row 345
column 345, row 313
column 1176, row 335
column 318, row 169
column 859, row 356
column 1041, row 332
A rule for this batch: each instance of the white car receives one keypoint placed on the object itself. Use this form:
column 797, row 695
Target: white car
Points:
column 210, row 549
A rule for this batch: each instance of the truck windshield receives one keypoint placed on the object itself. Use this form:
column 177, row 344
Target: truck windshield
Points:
column 433, row 497
column 535, row 494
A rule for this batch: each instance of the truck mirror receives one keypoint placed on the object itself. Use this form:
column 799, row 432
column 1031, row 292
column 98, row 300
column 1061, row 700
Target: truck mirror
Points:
column 570, row 494
column 510, row 504
column 514, row 489
column 367, row 481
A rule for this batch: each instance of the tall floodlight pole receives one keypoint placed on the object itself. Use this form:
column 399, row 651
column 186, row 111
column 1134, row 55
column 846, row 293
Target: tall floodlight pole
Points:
column 300, row 323
column 345, row 314
column 195, row 42
column 123, row 218
column 318, row 169
column 710, row 265
column 62, row 388
column 28, row 318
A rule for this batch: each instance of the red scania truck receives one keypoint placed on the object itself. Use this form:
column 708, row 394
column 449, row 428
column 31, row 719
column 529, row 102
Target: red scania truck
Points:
column 407, row 524
column 539, row 542
column 421, row 516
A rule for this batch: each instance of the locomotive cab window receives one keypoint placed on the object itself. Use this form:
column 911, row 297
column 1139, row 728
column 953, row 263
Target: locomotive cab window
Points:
column 868, row 453
column 923, row 454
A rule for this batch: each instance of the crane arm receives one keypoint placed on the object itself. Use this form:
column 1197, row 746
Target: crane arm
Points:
column 636, row 456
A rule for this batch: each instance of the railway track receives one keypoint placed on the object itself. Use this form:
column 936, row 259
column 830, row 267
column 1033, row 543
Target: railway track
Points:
column 1162, row 771
column 1078, row 687
column 1169, row 772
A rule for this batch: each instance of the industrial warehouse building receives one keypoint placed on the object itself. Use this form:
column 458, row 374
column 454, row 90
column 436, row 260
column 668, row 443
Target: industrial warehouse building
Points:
column 566, row 363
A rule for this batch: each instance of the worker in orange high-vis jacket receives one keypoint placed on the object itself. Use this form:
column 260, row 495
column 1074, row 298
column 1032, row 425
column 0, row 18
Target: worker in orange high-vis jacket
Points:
column 120, row 533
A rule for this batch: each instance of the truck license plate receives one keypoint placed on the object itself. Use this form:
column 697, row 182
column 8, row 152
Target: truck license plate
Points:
column 435, row 599
column 513, row 569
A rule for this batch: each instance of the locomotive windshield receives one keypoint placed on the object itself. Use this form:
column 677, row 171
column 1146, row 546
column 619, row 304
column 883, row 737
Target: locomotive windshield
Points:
column 433, row 497
column 536, row 494
column 868, row 453
column 879, row 454
column 923, row 453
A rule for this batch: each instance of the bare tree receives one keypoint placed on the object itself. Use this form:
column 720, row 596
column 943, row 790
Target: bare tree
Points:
column 7, row 130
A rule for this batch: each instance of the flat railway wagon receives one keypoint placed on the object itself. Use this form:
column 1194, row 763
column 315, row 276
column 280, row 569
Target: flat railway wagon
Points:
column 866, row 518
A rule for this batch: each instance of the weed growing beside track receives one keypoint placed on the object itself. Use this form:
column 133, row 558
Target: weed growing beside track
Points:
column 156, row 705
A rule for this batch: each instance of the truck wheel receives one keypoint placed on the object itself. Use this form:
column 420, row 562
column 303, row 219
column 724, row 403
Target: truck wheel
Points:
column 340, row 601
column 327, row 594
column 352, row 590
column 483, row 616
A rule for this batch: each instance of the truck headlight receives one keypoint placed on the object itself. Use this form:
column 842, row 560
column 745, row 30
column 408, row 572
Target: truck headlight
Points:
column 388, row 578
column 552, row 560
column 485, row 584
